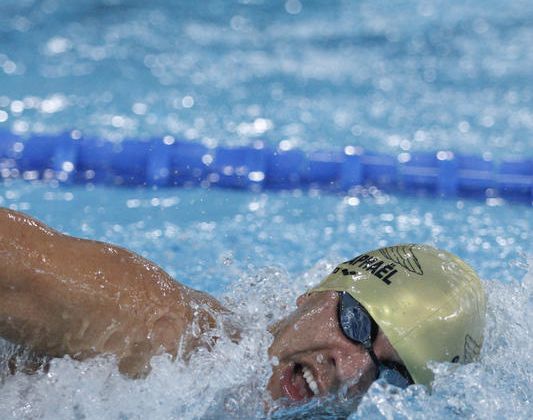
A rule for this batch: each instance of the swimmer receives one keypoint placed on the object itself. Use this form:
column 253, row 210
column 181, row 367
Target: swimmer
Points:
column 382, row 315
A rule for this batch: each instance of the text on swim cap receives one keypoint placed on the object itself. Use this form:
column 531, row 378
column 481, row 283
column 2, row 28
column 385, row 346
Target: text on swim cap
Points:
column 380, row 269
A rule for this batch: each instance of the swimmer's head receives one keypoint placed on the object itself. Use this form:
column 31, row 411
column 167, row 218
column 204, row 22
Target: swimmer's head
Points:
column 429, row 305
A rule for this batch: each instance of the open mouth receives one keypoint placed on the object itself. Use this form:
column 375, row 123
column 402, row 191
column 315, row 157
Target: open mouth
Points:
column 299, row 383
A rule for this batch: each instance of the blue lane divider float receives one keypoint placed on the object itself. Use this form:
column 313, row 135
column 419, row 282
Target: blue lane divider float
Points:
column 169, row 162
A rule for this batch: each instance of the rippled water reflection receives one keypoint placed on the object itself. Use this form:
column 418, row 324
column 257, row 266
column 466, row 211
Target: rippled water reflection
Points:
column 394, row 77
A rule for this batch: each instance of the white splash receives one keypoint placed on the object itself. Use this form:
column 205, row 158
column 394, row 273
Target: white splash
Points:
column 230, row 381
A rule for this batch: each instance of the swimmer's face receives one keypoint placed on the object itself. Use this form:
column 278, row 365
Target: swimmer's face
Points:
column 311, row 356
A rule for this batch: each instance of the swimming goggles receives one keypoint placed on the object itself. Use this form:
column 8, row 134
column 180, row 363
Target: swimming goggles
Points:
column 358, row 326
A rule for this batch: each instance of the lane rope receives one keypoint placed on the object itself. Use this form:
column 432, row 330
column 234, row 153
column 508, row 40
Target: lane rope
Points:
column 166, row 162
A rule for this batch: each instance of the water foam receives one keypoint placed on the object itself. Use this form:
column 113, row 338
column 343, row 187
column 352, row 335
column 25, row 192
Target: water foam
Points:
column 230, row 381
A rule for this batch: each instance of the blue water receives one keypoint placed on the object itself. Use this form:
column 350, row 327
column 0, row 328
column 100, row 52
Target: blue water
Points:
column 391, row 76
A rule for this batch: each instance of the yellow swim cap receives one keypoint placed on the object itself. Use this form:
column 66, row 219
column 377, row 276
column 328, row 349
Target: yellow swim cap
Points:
column 429, row 303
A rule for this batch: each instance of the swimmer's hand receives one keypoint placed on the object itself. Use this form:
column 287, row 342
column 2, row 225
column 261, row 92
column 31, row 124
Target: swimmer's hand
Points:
column 61, row 295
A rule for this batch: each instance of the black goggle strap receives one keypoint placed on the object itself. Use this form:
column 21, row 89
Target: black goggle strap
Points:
column 375, row 360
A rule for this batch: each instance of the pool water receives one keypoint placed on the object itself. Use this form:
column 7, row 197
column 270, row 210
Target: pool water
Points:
column 393, row 77
column 257, row 252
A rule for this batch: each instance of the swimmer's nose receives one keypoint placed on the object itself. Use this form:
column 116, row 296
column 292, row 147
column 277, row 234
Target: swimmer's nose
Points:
column 349, row 362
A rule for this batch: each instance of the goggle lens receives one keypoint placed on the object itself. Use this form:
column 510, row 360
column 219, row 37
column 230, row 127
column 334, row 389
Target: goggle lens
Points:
column 358, row 326
column 356, row 323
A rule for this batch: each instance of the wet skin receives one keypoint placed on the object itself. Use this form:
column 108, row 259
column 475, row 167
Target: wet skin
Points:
column 311, row 339
column 62, row 296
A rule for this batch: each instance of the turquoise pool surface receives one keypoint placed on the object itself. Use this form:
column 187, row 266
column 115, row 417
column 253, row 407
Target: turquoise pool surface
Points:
column 390, row 76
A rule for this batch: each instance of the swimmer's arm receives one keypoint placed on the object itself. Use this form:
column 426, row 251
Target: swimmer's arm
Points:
column 61, row 295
